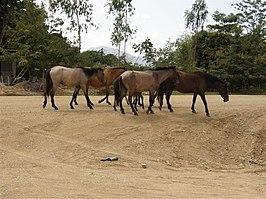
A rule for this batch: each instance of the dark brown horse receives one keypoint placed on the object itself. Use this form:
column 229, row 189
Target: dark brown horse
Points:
column 110, row 74
column 70, row 77
column 196, row 83
column 138, row 81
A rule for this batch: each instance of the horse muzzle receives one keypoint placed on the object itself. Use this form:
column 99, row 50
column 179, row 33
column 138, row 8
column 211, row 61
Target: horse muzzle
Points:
column 226, row 100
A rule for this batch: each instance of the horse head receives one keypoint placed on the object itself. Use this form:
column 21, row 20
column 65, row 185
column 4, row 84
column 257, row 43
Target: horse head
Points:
column 100, row 75
column 223, row 90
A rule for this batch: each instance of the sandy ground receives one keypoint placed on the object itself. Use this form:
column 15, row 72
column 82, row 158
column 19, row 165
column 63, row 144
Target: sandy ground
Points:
column 57, row 154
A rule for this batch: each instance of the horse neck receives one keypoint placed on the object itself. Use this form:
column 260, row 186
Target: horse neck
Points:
column 214, row 84
column 111, row 74
column 163, row 75
column 116, row 72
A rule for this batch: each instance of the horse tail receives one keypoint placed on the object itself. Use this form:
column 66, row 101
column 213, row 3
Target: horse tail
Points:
column 160, row 92
column 49, row 83
column 119, row 90
column 116, row 90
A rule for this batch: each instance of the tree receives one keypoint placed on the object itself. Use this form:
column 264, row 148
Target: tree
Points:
column 75, row 10
column 252, row 16
column 9, row 12
column 35, row 48
column 93, row 58
column 184, row 54
column 195, row 19
column 147, row 48
column 234, row 48
column 122, row 9
column 166, row 56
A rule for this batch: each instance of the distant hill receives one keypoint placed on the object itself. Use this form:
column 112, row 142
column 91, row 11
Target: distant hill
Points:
column 114, row 51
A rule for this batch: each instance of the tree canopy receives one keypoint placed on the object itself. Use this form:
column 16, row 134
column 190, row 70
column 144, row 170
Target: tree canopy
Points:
column 233, row 47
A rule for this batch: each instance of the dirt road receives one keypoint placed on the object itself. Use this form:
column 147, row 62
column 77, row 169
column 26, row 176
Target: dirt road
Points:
column 56, row 154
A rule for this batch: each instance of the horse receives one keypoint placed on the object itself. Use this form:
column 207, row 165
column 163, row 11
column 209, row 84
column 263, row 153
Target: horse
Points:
column 137, row 82
column 138, row 100
column 79, row 76
column 110, row 74
column 197, row 83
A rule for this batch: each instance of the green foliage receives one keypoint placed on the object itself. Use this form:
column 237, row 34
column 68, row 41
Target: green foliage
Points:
column 233, row 51
column 9, row 12
column 75, row 10
column 252, row 16
column 147, row 48
column 183, row 53
column 196, row 18
column 233, row 48
column 166, row 56
column 122, row 10
column 96, row 58
column 33, row 46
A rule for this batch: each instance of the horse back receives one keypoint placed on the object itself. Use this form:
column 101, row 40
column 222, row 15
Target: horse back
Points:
column 110, row 74
column 191, row 82
column 67, row 76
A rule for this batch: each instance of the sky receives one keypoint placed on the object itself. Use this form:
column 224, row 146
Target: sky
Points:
column 160, row 20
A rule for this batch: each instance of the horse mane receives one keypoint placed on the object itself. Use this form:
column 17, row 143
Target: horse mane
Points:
column 116, row 67
column 163, row 68
column 212, row 78
column 89, row 71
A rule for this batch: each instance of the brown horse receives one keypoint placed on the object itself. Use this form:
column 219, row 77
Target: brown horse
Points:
column 196, row 83
column 70, row 77
column 137, row 82
column 110, row 74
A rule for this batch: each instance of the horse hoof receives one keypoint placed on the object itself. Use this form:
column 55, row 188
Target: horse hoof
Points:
column 136, row 114
column 194, row 112
column 109, row 103
column 208, row 115
column 123, row 112
column 171, row 110
column 72, row 107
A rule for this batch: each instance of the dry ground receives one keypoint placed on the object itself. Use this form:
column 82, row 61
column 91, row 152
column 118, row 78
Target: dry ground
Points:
column 56, row 154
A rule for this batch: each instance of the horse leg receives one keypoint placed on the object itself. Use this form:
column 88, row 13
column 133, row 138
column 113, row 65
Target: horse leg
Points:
column 107, row 99
column 205, row 104
column 168, row 95
column 151, row 100
column 85, row 90
column 74, row 97
column 45, row 101
column 100, row 101
column 141, row 103
column 121, row 105
column 52, row 100
column 116, row 101
column 160, row 99
column 131, row 105
column 106, row 96
column 193, row 102
column 135, row 103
